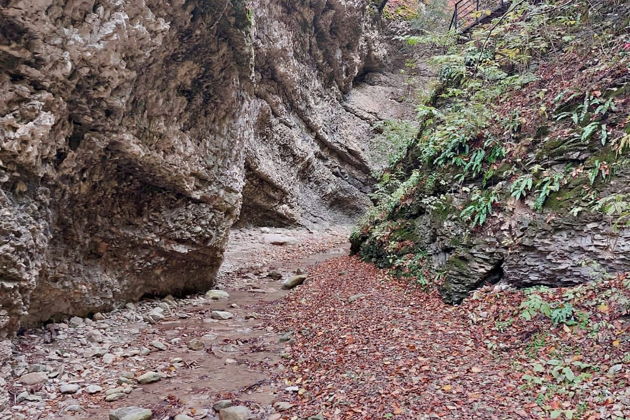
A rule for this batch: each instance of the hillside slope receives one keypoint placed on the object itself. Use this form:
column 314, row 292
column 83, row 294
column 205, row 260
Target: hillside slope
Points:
column 520, row 171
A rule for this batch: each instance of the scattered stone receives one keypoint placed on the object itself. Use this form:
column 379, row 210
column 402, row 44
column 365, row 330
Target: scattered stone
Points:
column 26, row 396
column 277, row 239
column 122, row 380
column 222, row 315
column 356, row 297
column 230, row 362
column 72, row 408
column 217, row 294
column 286, row 337
column 34, row 378
column 99, row 316
column 159, row 345
column 124, row 390
column 115, row 397
column 229, row 348
column 239, row 412
column 36, row 367
column 69, row 388
column 183, row 417
column 220, row 405
column 292, row 388
column 274, row 275
column 149, row 378
column 615, row 369
column 293, row 281
column 208, row 338
column 282, row 406
column 196, row 344
column 93, row 389
column 251, row 316
column 95, row 336
column 108, row 358
column 75, row 322
column 156, row 314
column 234, row 306
column 131, row 413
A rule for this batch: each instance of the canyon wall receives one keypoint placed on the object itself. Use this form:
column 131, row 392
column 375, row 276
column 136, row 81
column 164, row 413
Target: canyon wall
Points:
column 134, row 134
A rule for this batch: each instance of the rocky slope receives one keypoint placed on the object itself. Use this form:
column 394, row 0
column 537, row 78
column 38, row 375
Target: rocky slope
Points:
column 520, row 171
column 134, row 134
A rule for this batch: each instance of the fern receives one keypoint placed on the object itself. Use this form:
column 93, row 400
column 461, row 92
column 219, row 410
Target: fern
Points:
column 480, row 208
column 522, row 186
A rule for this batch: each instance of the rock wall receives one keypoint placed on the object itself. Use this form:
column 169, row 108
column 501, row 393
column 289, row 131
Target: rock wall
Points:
column 134, row 134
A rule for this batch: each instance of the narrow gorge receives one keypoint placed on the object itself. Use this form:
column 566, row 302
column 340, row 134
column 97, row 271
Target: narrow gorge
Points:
column 314, row 209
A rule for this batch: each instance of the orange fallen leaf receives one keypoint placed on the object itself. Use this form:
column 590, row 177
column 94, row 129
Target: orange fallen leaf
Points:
column 447, row 388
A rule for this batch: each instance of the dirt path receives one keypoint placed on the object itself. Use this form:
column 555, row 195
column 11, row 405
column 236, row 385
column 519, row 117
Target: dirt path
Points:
column 201, row 360
column 368, row 346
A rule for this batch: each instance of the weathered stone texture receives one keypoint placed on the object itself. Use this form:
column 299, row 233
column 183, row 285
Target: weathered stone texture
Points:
column 132, row 133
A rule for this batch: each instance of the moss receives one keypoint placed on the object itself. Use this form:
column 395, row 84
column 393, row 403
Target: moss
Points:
column 565, row 199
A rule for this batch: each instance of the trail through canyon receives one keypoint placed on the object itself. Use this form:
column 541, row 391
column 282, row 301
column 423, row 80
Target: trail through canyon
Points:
column 348, row 343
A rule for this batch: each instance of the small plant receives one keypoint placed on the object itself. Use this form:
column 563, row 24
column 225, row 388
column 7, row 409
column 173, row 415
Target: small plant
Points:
column 522, row 186
column 544, row 189
column 480, row 207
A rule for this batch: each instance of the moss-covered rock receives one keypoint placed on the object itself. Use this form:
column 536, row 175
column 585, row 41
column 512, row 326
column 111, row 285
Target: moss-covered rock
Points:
column 511, row 176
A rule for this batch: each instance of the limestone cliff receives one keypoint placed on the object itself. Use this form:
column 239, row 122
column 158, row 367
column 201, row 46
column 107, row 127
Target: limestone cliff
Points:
column 134, row 134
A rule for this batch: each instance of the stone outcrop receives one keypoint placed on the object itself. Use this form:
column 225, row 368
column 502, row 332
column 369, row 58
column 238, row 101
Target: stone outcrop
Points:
column 134, row 134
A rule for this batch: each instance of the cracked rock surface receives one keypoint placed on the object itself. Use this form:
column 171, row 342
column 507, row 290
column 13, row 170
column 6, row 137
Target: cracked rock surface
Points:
column 134, row 134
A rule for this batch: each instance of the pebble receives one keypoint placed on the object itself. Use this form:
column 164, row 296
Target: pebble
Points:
column 159, row 345
column 99, row 316
column 108, row 358
column 239, row 412
column 149, row 378
column 274, row 275
column 196, row 344
column 615, row 369
column 220, row 405
column 34, row 378
column 75, row 322
column 222, row 315
column 115, row 397
column 156, row 314
column 131, row 413
column 217, row 294
column 282, row 406
column 25, row 396
column 72, row 408
column 293, row 281
column 69, row 388
column 93, row 389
